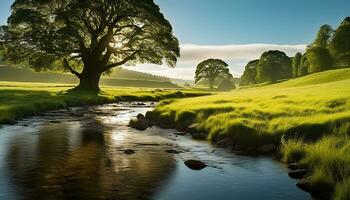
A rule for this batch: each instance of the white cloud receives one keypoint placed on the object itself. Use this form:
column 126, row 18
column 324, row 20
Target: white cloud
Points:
column 237, row 56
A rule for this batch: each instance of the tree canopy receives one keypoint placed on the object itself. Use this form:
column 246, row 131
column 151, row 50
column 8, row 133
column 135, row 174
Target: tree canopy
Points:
column 249, row 74
column 340, row 44
column 273, row 66
column 87, row 37
column 210, row 70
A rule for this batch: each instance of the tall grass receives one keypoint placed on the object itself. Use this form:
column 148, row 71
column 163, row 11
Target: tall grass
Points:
column 328, row 159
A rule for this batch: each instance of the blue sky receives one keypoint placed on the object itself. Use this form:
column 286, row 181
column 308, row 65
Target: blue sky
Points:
column 235, row 26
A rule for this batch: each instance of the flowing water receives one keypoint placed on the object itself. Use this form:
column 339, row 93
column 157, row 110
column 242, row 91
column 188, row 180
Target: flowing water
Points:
column 79, row 154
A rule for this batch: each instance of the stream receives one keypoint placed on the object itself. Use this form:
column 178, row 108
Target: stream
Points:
column 80, row 154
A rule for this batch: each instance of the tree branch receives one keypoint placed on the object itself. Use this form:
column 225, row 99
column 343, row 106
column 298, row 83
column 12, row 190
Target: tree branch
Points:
column 125, row 60
column 67, row 66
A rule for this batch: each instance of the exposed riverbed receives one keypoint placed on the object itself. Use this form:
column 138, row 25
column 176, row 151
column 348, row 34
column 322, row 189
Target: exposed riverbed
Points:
column 80, row 154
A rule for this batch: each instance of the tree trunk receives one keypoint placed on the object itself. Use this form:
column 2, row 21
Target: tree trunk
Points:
column 211, row 84
column 89, row 82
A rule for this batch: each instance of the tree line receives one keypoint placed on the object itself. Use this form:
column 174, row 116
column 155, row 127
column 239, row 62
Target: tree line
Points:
column 329, row 50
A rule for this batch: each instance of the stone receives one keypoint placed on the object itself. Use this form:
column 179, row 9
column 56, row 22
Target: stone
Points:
column 298, row 174
column 294, row 166
column 140, row 116
column 129, row 151
column 199, row 135
column 304, row 184
column 195, row 164
column 266, row 148
column 225, row 142
column 180, row 133
column 141, row 123
column 173, row 151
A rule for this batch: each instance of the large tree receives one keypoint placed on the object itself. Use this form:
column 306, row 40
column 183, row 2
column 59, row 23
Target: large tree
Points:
column 318, row 54
column 87, row 37
column 340, row 44
column 249, row 73
column 319, row 59
column 210, row 70
column 273, row 66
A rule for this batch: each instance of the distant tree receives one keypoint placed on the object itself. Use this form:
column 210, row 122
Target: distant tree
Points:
column 249, row 73
column 273, row 66
column 323, row 36
column 226, row 84
column 296, row 63
column 304, row 66
column 210, row 70
column 88, row 36
column 340, row 44
column 319, row 59
column 318, row 54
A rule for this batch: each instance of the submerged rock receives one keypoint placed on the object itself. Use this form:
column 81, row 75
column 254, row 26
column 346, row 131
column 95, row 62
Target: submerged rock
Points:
column 304, row 184
column 195, row 164
column 266, row 148
column 298, row 174
column 173, row 151
column 129, row 151
column 180, row 133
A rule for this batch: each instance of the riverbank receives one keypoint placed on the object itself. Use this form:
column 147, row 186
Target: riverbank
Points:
column 18, row 100
column 307, row 110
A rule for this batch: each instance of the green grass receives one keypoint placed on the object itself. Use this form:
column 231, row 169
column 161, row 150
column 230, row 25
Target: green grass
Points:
column 23, row 99
column 305, row 112
column 255, row 116
column 328, row 159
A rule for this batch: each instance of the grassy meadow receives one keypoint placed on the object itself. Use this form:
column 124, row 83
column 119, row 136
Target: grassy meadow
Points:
column 18, row 99
column 308, row 117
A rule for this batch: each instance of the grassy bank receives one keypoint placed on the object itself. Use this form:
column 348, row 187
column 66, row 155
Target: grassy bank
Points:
column 255, row 116
column 311, row 114
column 328, row 159
column 23, row 99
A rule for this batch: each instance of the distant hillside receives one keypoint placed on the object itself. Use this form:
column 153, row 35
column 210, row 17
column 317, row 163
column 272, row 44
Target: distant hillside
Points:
column 122, row 77
column 129, row 74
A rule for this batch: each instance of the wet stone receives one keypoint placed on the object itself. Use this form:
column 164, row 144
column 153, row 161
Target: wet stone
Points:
column 129, row 151
column 195, row 164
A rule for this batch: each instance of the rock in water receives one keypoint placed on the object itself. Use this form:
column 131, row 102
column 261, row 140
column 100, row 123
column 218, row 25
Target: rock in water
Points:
column 266, row 148
column 173, row 151
column 195, row 164
column 129, row 151
column 298, row 174
column 141, row 123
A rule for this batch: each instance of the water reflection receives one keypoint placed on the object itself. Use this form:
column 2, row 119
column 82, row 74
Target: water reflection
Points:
column 81, row 161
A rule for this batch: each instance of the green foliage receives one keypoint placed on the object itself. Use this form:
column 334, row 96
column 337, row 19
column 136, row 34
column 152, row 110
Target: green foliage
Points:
column 323, row 36
column 249, row 73
column 340, row 44
column 273, row 66
column 304, row 66
column 93, row 37
column 297, row 64
column 319, row 59
column 210, row 70
column 226, row 85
